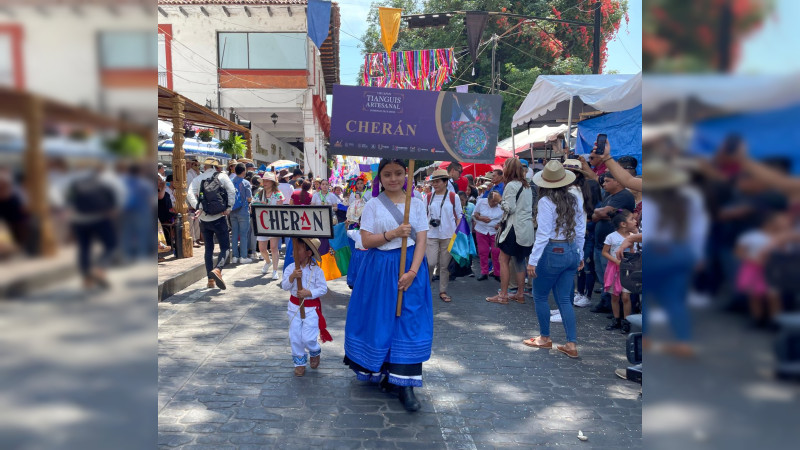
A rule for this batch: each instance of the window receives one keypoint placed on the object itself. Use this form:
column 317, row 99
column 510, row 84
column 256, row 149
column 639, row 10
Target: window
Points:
column 262, row 50
column 6, row 61
column 129, row 50
column 11, row 68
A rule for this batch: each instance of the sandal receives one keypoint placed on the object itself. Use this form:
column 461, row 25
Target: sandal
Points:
column 519, row 298
column 532, row 343
column 445, row 298
column 501, row 299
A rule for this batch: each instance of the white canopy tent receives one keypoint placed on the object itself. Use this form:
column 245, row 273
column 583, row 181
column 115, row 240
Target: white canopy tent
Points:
column 534, row 135
column 555, row 98
column 689, row 97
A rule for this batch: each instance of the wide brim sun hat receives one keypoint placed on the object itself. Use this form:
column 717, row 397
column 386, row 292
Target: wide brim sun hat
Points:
column 657, row 174
column 440, row 174
column 553, row 176
column 313, row 244
column 210, row 161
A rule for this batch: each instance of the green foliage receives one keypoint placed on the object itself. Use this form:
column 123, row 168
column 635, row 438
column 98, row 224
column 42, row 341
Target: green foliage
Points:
column 235, row 146
column 128, row 145
column 524, row 51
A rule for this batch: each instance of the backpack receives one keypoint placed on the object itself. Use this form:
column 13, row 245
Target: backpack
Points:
column 630, row 272
column 239, row 202
column 89, row 195
column 213, row 196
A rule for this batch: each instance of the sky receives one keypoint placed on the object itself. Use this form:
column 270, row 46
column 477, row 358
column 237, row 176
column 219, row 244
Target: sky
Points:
column 773, row 48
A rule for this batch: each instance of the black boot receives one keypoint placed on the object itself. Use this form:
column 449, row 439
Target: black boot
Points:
column 614, row 325
column 386, row 387
column 408, row 399
column 625, row 326
column 605, row 304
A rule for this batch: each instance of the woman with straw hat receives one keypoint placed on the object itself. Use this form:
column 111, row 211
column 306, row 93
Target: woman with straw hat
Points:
column 674, row 227
column 269, row 195
column 557, row 253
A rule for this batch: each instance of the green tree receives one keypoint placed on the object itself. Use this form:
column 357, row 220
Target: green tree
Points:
column 524, row 50
column 235, row 146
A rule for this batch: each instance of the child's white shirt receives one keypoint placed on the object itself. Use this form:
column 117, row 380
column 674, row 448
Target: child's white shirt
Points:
column 614, row 240
column 313, row 280
column 754, row 243
column 355, row 235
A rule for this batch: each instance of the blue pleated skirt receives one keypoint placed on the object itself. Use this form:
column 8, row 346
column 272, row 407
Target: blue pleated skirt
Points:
column 373, row 333
column 356, row 260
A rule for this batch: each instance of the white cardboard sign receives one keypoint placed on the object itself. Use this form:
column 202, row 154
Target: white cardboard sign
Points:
column 293, row 221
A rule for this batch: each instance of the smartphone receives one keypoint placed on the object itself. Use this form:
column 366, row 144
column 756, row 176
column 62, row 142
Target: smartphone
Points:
column 601, row 144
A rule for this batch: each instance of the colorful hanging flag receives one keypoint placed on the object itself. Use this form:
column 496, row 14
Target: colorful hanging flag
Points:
column 412, row 69
column 319, row 21
column 462, row 246
column 390, row 26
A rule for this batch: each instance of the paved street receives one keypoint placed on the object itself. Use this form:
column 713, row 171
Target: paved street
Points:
column 226, row 377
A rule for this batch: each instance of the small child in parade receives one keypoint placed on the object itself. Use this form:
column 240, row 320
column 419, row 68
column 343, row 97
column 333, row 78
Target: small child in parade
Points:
column 625, row 224
column 303, row 332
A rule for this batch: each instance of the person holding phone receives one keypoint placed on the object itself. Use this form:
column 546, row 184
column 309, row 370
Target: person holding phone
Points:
column 603, row 156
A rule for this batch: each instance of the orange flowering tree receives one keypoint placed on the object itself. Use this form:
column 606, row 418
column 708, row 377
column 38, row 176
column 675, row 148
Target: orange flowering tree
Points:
column 686, row 36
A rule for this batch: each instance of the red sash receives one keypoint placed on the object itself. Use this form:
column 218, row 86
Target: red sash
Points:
column 315, row 303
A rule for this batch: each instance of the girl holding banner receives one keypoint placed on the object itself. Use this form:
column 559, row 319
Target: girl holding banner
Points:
column 378, row 342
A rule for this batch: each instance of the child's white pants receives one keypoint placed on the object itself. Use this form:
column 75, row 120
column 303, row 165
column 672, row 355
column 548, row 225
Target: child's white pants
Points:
column 303, row 334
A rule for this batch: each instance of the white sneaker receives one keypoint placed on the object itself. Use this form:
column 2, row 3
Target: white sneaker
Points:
column 234, row 260
column 582, row 301
column 265, row 269
column 554, row 312
column 555, row 317
column 275, row 275
column 245, row 261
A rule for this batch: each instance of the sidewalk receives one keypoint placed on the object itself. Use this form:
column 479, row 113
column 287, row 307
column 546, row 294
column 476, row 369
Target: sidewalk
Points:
column 23, row 275
column 225, row 377
column 177, row 274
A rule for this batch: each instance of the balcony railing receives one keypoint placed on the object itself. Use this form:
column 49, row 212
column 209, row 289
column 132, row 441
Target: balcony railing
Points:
column 162, row 79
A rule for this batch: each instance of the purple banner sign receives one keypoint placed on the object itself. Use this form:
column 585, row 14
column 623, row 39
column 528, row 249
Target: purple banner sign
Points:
column 405, row 123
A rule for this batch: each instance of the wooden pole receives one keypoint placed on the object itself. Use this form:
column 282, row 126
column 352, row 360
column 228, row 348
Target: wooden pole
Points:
column 35, row 164
column 296, row 241
column 404, row 247
column 179, row 174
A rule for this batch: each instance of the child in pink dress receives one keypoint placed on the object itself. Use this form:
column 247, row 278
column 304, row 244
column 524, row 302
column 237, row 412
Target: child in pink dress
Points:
column 625, row 223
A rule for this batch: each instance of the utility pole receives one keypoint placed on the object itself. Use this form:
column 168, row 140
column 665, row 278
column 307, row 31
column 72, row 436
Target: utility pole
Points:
column 494, row 51
column 598, row 19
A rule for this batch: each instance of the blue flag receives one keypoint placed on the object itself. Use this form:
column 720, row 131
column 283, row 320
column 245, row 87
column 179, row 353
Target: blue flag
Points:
column 462, row 246
column 319, row 20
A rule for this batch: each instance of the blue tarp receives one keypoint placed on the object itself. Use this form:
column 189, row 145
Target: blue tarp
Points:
column 624, row 130
column 768, row 134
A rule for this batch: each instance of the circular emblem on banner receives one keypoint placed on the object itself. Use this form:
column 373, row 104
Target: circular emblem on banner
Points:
column 471, row 139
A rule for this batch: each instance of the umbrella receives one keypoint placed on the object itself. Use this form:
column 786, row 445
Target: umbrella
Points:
column 193, row 146
column 283, row 164
column 478, row 170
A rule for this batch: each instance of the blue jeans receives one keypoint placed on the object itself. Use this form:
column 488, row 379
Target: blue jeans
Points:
column 600, row 263
column 555, row 272
column 666, row 280
column 240, row 233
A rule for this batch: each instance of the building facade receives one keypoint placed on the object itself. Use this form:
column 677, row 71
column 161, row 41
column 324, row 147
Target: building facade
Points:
column 253, row 60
